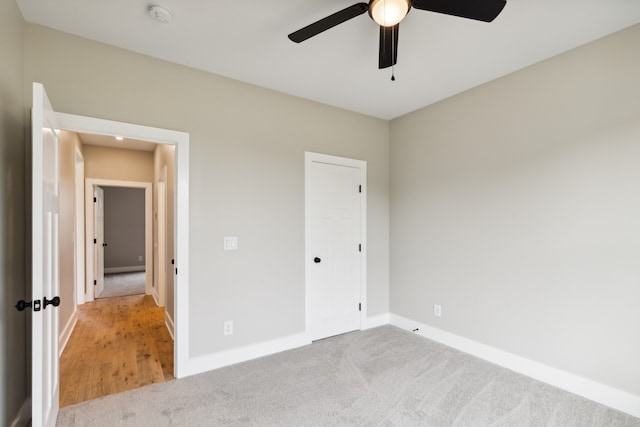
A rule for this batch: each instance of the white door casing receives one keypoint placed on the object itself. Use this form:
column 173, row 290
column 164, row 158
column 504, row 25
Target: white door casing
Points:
column 335, row 230
column 45, row 387
column 79, row 249
column 90, row 267
column 98, row 242
column 161, row 247
column 182, row 361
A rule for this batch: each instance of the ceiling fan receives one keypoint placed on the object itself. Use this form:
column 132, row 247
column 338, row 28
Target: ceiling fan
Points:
column 389, row 13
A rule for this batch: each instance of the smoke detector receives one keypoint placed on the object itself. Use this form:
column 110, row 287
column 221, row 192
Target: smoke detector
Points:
column 159, row 13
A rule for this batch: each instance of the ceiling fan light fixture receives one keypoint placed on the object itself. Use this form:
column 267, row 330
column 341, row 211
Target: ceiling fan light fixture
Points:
column 388, row 13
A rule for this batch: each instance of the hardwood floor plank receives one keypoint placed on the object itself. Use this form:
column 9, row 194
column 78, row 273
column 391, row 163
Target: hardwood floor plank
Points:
column 117, row 344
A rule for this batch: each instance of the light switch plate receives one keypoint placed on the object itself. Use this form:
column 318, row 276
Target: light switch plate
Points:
column 230, row 243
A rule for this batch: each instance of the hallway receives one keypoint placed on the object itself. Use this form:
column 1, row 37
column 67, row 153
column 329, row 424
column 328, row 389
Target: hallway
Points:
column 117, row 344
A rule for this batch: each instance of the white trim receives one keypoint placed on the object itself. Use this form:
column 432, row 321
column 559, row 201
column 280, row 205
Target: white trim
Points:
column 66, row 332
column 209, row 362
column 375, row 321
column 181, row 142
column 90, row 183
column 361, row 165
column 168, row 321
column 23, row 417
column 78, row 224
column 592, row 390
column 131, row 269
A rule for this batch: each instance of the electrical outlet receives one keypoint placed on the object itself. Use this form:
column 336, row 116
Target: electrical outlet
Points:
column 140, row 258
column 437, row 310
column 228, row 327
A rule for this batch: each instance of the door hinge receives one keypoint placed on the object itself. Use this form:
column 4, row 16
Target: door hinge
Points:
column 359, row 306
column 359, row 188
column 95, row 282
column 95, row 200
column 176, row 271
column 95, row 241
column 360, row 247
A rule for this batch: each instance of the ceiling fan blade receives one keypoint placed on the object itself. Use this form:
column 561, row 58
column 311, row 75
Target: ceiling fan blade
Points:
column 388, row 46
column 328, row 22
column 480, row 10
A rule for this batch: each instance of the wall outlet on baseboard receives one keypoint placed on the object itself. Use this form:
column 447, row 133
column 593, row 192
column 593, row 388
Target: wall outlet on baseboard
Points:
column 437, row 310
column 228, row 327
column 140, row 258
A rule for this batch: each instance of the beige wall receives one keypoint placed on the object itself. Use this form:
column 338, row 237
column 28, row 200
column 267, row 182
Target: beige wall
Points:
column 246, row 174
column 516, row 206
column 117, row 164
column 13, row 357
column 164, row 155
column 124, row 227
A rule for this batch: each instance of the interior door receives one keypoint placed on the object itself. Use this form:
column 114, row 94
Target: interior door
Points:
column 98, row 194
column 333, row 255
column 45, row 375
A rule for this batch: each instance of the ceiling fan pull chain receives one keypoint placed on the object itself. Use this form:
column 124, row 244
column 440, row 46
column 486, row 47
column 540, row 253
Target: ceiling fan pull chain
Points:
column 393, row 66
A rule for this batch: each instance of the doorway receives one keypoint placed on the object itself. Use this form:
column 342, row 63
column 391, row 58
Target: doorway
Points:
column 94, row 242
column 124, row 243
column 335, row 240
column 178, row 324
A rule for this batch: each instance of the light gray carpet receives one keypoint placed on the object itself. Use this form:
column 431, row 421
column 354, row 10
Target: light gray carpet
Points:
column 381, row 377
column 123, row 284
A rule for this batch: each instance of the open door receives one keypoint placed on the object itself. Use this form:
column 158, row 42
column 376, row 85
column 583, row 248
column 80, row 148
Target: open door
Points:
column 45, row 376
column 98, row 198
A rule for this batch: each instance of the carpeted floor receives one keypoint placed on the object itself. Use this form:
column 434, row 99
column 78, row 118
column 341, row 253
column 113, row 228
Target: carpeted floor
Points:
column 379, row 377
column 123, row 284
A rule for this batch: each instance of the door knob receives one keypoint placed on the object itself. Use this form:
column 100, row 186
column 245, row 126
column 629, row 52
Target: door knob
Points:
column 55, row 301
column 317, row 260
column 22, row 305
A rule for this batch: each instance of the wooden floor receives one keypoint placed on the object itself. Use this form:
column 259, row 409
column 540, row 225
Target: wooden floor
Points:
column 117, row 344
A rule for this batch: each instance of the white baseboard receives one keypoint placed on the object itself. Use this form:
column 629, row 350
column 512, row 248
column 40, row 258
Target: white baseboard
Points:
column 23, row 417
column 66, row 332
column 375, row 321
column 168, row 321
column 131, row 269
column 601, row 393
column 197, row 365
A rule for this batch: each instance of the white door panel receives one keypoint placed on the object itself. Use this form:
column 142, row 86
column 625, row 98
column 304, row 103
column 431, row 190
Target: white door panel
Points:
column 333, row 259
column 45, row 261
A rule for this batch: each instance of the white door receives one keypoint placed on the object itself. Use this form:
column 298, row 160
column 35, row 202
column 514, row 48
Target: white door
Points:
column 334, row 242
column 98, row 194
column 45, row 376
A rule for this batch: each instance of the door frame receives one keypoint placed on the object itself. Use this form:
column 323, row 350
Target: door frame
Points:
column 180, row 140
column 90, row 184
column 361, row 165
column 160, row 253
column 78, row 221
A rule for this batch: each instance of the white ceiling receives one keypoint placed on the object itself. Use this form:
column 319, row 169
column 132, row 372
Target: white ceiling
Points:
column 438, row 55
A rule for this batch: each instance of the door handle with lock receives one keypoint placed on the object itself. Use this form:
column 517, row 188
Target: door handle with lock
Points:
column 36, row 305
